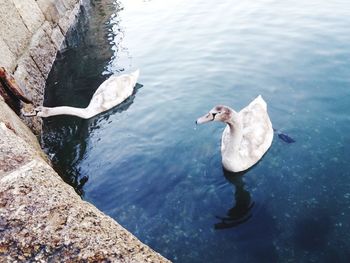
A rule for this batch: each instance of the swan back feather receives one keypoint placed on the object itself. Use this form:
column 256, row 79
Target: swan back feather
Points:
column 113, row 91
column 256, row 137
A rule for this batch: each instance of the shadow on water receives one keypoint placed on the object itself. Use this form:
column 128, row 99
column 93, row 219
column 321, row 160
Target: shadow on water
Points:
column 79, row 69
column 241, row 211
column 243, row 204
column 313, row 233
column 260, row 228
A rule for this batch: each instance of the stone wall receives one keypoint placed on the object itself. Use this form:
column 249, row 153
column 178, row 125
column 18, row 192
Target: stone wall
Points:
column 31, row 33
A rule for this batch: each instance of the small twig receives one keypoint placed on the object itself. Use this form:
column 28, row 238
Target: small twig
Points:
column 7, row 79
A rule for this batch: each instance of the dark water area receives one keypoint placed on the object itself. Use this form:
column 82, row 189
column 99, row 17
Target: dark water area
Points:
column 148, row 166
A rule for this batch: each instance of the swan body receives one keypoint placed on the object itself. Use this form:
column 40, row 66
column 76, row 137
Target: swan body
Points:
column 109, row 94
column 247, row 136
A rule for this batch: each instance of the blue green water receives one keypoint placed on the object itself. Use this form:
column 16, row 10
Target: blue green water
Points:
column 147, row 165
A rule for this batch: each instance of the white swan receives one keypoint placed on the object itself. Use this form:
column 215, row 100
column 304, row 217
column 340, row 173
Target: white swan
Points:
column 247, row 136
column 109, row 94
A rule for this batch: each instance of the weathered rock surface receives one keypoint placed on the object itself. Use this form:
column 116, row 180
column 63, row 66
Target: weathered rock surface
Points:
column 43, row 219
column 7, row 57
column 32, row 19
column 31, row 33
column 13, row 30
column 12, row 122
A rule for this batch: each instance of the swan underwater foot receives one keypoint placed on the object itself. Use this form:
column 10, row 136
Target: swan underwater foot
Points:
column 284, row 137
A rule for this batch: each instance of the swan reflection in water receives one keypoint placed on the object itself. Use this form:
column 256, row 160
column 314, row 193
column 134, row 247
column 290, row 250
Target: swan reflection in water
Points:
column 241, row 211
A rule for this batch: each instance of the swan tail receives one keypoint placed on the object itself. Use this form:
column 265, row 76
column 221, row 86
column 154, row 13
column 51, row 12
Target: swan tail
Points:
column 284, row 137
column 136, row 74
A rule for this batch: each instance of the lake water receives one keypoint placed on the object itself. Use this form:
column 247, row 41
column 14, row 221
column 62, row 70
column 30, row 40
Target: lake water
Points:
column 148, row 166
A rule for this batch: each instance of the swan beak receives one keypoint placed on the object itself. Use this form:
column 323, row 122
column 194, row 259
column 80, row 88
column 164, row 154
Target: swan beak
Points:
column 206, row 118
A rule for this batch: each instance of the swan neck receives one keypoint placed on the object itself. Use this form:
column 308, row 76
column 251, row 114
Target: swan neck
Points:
column 66, row 110
column 234, row 122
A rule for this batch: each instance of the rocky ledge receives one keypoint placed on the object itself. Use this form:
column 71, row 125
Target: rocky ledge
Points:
column 43, row 219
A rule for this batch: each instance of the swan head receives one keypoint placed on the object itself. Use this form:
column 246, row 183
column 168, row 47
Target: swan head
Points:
column 218, row 113
column 42, row 112
column 38, row 111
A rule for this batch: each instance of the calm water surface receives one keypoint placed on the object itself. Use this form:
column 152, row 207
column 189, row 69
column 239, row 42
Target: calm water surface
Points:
column 147, row 165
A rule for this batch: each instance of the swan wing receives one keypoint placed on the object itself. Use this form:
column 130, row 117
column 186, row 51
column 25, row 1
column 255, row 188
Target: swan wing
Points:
column 257, row 130
column 113, row 91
